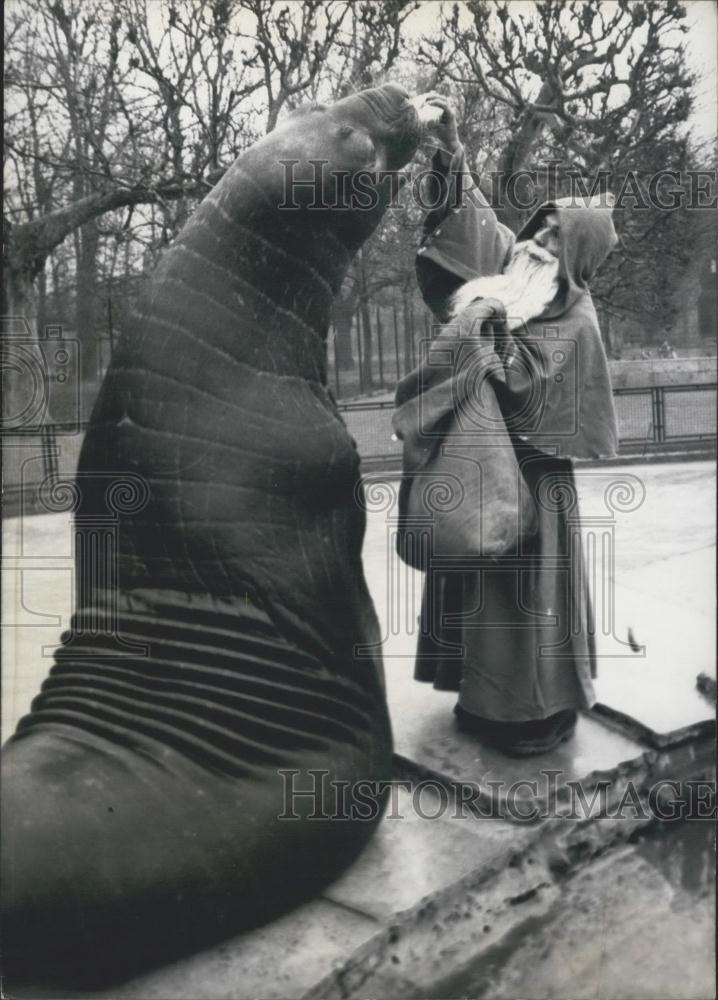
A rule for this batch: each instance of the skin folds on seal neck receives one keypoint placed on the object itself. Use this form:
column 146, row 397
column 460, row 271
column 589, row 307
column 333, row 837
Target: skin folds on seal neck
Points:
column 218, row 395
column 224, row 635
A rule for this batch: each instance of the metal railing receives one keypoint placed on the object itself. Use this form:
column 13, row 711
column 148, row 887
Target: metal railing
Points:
column 670, row 413
column 654, row 418
column 650, row 419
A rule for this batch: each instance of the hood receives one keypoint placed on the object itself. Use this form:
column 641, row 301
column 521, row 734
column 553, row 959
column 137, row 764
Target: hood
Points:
column 586, row 237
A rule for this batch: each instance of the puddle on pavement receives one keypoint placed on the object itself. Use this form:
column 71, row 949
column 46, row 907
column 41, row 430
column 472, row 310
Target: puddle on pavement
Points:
column 684, row 853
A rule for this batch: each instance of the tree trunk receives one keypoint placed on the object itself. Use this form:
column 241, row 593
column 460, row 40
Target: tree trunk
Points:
column 380, row 346
column 412, row 329
column 408, row 334
column 41, row 321
column 396, row 336
column 22, row 377
column 367, row 345
column 607, row 332
column 343, row 314
column 360, row 355
column 366, row 330
column 609, row 336
column 86, row 303
column 515, row 189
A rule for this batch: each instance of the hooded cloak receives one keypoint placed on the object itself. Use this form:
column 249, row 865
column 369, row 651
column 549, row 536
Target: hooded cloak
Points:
column 517, row 641
column 556, row 393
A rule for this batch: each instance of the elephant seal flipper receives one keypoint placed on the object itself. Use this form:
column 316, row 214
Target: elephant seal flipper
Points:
column 147, row 795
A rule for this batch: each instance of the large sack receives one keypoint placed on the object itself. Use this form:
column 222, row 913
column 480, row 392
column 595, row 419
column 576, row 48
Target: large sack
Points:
column 462, row 496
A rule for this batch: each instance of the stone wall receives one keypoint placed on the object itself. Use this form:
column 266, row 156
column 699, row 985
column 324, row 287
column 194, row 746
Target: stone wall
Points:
column 662, row 371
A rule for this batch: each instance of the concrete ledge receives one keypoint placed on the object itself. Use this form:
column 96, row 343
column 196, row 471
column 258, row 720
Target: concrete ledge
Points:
column 470, row 931
column 662, row 371
column 636, row 730
column 696, row 451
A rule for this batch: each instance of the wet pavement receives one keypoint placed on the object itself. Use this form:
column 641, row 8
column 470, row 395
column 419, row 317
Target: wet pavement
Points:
column 636, row 923
column 655, row 525
column 659, row 519
column 628, row 927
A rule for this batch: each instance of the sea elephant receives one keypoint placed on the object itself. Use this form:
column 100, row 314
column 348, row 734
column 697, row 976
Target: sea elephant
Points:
column 224, row 653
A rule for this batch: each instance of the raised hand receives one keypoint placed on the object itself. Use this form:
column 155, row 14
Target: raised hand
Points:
column 443, row 129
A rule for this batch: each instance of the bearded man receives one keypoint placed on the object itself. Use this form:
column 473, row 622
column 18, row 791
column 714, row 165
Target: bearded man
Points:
column 524, row 632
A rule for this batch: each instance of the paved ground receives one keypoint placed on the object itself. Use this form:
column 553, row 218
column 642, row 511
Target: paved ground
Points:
column 662, row 579
column 659, row 521
column 470, row 907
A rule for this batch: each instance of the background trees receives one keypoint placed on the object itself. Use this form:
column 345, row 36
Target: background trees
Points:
column 588, row 84
column 121, row 114
column 596, row 91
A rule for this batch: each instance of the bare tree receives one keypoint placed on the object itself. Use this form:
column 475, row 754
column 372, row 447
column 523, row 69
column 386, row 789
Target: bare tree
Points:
column 371, row 44
column 111, row 106
column 604, row 79
column 136, row 114
column 121, row 114
column 292, row 45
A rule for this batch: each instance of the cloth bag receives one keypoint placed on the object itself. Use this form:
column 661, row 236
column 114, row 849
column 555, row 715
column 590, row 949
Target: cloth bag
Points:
column 462, row 495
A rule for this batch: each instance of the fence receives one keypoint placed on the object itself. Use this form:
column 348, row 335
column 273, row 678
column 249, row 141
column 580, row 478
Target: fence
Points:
column 659, row 418
column 649, row 419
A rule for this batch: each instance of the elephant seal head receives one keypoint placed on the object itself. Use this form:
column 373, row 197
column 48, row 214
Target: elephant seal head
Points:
column 319, row 184
column 348, row 156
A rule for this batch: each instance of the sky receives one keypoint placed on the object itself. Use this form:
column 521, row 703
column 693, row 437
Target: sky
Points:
column 702, row 44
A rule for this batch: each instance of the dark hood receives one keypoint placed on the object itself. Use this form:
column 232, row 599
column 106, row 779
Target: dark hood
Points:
column 587, row 237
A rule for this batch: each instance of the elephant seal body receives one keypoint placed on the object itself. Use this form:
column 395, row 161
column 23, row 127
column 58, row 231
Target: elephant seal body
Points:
column 212, row 662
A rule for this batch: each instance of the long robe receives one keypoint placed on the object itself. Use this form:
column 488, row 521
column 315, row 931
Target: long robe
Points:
column 517, row 640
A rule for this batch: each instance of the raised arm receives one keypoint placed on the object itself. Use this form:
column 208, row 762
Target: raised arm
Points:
column 463, row 239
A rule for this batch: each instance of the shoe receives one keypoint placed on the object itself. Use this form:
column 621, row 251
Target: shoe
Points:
column 520, row 739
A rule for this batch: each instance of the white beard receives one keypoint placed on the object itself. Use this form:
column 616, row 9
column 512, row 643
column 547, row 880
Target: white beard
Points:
column 526, row 287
